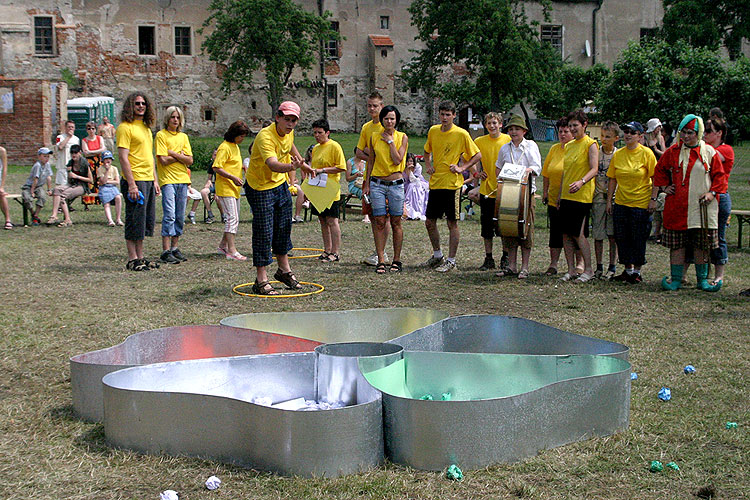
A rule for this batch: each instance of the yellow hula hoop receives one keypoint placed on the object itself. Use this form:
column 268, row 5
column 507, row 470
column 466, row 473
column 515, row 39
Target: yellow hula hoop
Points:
column 319, row 289
column 312, row 256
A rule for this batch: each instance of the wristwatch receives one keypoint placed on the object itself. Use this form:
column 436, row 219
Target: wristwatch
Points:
column 713, row 193
column 389, row 141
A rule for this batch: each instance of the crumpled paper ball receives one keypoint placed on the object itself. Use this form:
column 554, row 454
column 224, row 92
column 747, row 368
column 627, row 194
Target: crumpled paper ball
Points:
column 213, row 483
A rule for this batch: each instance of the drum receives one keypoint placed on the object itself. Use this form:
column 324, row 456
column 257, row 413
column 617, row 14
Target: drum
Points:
column 512, row 207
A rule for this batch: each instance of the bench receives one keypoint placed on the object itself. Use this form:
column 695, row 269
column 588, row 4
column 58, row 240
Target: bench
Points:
column 18, row 198
column 743, row 217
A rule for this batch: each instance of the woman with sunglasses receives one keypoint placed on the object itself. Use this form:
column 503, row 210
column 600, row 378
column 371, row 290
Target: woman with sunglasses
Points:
column 92, row 147
column 630, row 172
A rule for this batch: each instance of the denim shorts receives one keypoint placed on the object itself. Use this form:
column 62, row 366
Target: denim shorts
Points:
column 394, row 194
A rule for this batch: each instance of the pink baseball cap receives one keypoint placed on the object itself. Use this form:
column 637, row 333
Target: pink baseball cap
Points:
column 289, row 108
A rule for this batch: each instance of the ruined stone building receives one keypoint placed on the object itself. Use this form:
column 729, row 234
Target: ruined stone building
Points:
column 114, row 47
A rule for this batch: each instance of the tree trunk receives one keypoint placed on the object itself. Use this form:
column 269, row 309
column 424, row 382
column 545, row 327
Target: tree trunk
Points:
column 494, row 93
column 274, row 92
column 529, row 134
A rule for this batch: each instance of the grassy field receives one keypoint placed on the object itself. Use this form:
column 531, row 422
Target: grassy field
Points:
column 65, row 291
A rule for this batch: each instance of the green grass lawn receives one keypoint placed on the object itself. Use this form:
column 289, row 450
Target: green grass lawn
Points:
column 65, row 292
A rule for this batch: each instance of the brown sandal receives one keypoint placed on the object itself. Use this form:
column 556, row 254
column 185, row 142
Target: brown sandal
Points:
column 288, row 278
column 264, row 288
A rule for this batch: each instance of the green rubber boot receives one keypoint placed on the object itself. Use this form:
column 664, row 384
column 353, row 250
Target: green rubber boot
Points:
column 676, row 283
column 701, row 272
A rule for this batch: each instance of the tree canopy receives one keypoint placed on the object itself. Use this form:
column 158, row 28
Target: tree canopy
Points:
column 669, row 80
column 574, row 87
column 505, row 61
column 708, row 23
column 273, row 35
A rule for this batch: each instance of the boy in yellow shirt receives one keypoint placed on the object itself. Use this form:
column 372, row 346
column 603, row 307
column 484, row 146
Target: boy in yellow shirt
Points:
column 489, row 146
column 446, row 144
column 362, row 152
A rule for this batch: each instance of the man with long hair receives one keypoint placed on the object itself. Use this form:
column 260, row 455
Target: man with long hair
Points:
column 135, row 146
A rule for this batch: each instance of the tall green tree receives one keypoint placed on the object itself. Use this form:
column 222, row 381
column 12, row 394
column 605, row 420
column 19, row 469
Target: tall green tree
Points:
column 505, row 61
column 273, row 35
column 708, row 23
column 668, row 81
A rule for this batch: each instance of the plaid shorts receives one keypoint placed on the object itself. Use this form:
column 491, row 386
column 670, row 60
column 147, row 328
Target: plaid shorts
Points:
column 272, row 222
column 674, row 240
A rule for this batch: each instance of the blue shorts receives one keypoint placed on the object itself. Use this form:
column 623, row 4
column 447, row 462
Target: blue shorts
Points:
column 382, row 191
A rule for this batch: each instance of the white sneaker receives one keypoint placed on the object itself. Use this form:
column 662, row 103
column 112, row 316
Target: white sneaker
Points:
column 448, row 265
column 372, row 260
column 298, row 218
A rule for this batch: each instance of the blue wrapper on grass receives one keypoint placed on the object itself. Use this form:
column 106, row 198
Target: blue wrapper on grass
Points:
column 656, row 466
column 689, row 369
column 633, row 376
column 454, row 473
column 665, row 394
column 731, row 425
column 673, row 466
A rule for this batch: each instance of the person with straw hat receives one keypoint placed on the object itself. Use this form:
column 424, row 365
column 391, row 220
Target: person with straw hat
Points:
column 693, row 175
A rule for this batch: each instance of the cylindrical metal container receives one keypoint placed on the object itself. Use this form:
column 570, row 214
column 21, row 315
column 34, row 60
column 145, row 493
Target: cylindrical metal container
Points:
column 338, row 379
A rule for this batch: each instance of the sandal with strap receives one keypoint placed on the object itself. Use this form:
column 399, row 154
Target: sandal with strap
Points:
column 523, row 274
column 323, row 255
column 137, row 265
column 380, row 268
column 332, row 257
column 288, row 278
column 396, row 266
column 505, row 272
column 151, row 265
column 8, row 225
column 551, row 271
column 264, row 288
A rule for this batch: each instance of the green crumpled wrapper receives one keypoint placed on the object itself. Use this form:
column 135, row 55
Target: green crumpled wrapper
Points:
column 673, row 465
column 731, row 425
column 656, row 466
column 454, row 473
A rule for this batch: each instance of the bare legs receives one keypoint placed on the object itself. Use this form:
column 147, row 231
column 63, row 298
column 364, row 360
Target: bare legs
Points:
column 329, row 227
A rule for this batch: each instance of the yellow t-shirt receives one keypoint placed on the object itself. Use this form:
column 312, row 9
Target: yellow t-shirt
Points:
column 269, row 144
column 384, row 166
column 447, row 148
column 575, row 167
column 330, row 154
column 137, row 137
column 490, row 149
column 368, row 129
column 553, row 170
column 174, row 173
column 633, row 170
column 229, row 159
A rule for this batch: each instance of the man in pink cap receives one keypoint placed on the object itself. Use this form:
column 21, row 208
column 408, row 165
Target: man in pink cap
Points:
column 273, row 155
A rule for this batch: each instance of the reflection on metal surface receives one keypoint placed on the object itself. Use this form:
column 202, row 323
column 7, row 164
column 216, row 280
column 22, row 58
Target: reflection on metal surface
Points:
column 514, row 387
column 359, row 325
column 503, row 407
column 504, row 335
column 205, row 408
column 168, row 344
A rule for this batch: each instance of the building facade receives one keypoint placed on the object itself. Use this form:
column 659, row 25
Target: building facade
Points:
column 114, row 47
